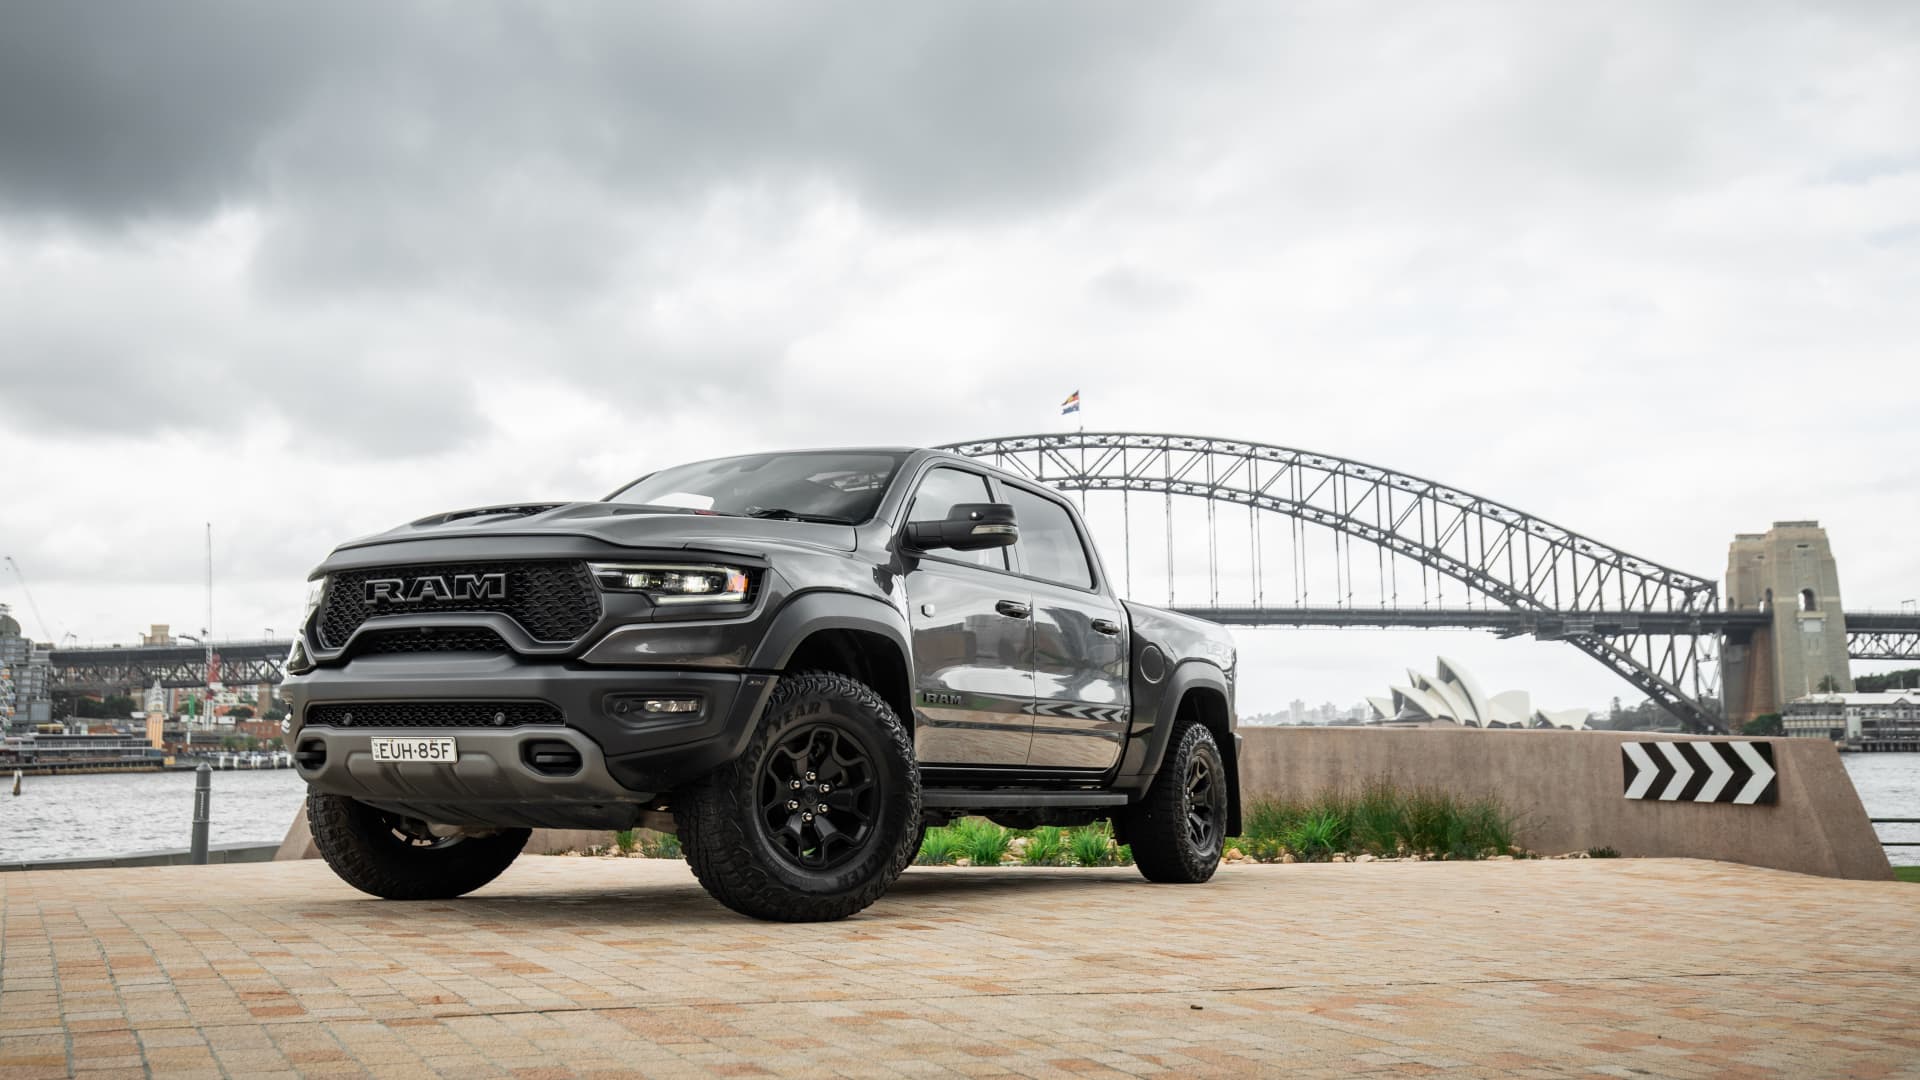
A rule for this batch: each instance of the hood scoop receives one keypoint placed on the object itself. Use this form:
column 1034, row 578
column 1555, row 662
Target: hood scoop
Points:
column 516, row 510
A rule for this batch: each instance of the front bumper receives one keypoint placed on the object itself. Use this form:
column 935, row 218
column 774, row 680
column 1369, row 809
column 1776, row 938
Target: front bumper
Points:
column 626, row 760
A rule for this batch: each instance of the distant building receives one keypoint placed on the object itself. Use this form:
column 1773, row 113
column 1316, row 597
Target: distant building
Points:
column 26, row 679
column 1885, row 721
column 1452, row 696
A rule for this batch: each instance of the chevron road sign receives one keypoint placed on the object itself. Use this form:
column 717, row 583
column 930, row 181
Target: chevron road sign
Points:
column 1700, row 771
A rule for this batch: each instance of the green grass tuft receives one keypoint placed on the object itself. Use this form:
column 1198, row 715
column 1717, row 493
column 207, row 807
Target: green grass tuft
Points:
column 625, row 840
column 1379, row 820
column 1907, row 873
column 940, row 848
column 1045, row 847
column 1602, row 853
column 1090, row 845
column 981, row 841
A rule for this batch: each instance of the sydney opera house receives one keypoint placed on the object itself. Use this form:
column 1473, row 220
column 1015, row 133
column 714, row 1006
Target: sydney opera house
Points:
column 1453, row 696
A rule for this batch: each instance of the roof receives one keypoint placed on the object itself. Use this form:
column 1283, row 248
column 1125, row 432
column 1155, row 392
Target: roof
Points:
column 1886, row 697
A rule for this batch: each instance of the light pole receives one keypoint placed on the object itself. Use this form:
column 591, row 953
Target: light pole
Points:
column 206, row 699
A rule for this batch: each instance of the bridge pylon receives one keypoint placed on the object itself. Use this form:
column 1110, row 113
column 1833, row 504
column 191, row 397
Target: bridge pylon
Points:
column 1787, row 572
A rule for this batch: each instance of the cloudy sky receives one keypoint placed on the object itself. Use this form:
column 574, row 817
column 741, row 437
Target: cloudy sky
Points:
column 1647, row 270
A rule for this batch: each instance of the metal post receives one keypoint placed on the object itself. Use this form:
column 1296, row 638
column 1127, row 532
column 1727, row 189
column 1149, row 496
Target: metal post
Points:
column 202, row 812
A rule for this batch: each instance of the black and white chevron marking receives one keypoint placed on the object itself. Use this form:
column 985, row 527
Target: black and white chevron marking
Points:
column 1700, row 771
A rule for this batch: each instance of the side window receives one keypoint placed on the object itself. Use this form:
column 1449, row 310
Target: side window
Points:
column 939, row 491
column 1049, row 544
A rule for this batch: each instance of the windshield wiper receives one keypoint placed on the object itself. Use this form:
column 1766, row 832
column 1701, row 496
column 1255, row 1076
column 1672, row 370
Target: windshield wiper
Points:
column 783, row 514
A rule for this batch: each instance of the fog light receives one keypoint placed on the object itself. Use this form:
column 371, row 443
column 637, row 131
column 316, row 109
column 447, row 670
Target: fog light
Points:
column 670, row 705
column 643, row 707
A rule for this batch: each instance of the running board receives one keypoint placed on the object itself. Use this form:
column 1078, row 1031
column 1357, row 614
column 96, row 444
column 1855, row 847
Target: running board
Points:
column 1003, row 799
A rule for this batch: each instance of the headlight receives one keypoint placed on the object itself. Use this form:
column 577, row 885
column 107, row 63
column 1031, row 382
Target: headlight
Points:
column 316, row 591
column 675, row 584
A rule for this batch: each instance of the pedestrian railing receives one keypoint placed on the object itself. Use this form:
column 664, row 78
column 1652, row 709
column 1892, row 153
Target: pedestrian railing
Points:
column 1897, row 821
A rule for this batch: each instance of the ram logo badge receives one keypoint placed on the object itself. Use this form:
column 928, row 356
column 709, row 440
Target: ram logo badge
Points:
column 932, row 698
column 437, row 587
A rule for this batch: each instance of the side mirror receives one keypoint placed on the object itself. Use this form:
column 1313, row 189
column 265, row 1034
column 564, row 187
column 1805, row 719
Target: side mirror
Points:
column 968, row 527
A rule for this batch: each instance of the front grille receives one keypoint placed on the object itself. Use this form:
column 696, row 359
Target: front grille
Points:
column 553, row 601
column 433, row 714
column 429, row 640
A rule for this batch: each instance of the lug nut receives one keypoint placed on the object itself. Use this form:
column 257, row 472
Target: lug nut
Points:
column 796, row 785
column 821, row 809
column 793, row 804
column 806, row 817
column 824, row 788
column 810, row 778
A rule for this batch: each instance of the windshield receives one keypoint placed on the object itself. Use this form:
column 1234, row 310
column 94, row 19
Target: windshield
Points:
column 828, row 485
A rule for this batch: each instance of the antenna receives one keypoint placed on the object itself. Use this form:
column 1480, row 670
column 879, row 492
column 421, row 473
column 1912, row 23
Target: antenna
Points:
column 37, row 617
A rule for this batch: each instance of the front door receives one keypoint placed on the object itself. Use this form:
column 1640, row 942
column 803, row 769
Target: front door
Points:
column 972, row 641
column 1079, row 641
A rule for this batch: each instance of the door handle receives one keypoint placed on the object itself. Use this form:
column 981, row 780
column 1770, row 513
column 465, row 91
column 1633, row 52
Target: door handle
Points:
column 1013, row 609
column 1106, row 626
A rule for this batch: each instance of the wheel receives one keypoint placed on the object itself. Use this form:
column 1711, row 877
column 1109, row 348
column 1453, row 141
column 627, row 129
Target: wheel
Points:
column 913, row 852
column 399, row 859
column 754, row 829
column 1177, row 831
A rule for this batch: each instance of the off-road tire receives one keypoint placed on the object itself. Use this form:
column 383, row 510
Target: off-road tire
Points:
column 720, row 817
column 360, row 843
column 1160, row 828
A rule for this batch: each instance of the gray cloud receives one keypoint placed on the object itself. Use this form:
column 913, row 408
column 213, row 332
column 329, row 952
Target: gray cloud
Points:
column 311, row 271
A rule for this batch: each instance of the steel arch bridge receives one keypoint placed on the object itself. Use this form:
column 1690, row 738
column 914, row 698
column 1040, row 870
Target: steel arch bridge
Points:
column 1652, row 624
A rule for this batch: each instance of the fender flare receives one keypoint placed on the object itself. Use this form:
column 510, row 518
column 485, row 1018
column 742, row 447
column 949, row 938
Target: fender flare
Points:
column 810, row 612
column 1188, row 675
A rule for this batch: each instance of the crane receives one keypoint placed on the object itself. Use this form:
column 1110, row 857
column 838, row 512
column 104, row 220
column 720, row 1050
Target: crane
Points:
column 37, row 617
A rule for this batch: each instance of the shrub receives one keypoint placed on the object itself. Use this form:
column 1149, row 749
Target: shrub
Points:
column 662, row 846
column 1380, row 820
column 981, row 841
column 939, row 848
column 1089, row 845
column 1602, row 853
column 625, row 840
column 1045, row 847
column 1319, row 834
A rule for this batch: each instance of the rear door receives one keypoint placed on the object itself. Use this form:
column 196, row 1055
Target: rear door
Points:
column 1079, row 638
column 972, row 640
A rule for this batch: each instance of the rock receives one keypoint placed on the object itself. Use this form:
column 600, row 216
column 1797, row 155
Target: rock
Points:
column 1366, row 858
column 1340, row 856
column 1233, row 854
column 1501, row 858
column 963, row 861
column 1287, row 857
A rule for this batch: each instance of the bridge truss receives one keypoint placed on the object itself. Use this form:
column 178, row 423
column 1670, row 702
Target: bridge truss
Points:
column 131, row 668
column 1575, row 588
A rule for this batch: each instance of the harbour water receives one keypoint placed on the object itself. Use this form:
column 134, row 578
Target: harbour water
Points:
column 61, row 817
column 96, row 815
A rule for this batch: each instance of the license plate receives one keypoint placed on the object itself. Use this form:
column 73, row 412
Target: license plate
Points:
column 432, row 751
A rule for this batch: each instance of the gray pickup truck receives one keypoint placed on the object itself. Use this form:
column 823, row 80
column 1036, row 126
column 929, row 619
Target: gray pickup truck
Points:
column 796, row 662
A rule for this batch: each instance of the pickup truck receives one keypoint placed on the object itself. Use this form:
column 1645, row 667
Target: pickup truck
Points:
column 795, row 662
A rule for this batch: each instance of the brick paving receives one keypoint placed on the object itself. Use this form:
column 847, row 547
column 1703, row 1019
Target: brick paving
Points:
column 595, row 967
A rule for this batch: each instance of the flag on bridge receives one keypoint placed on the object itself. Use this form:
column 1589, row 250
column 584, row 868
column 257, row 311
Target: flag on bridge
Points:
column 1071, row 405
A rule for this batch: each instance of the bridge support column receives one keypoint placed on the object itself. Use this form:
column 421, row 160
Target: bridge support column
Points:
column 1787, row 571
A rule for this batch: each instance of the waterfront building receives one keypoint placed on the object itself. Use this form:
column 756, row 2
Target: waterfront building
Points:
column 26, row 679
column 1453, row 696
column 1885, row 721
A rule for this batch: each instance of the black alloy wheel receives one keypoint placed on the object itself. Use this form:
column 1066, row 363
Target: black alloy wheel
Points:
column 1206, row 799
column 819, row 795
column 817, row 816
column 1178, row 828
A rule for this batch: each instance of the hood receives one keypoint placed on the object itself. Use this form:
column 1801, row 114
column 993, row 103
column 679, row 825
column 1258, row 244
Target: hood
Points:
column 621, row 525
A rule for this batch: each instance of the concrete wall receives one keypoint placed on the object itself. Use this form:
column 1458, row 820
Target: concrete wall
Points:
column 1567, row 787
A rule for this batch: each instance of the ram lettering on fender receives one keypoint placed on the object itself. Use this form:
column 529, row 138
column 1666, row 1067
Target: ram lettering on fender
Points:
column 1700, row 771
